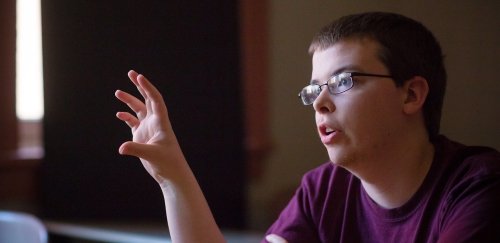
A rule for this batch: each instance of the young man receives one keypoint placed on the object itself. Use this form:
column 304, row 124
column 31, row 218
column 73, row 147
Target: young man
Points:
column 377, row 87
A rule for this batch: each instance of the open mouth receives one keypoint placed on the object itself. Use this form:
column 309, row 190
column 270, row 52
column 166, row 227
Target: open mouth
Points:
column 326, row 130
column 328, row 135
column 329, row 131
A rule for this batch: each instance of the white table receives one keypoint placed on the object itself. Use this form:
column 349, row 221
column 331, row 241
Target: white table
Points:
column 131, row 232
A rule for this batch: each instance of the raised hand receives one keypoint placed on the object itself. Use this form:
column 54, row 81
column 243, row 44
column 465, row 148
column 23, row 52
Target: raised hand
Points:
column 154, row 141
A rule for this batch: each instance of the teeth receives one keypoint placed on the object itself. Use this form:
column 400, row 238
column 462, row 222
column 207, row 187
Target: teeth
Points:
column 329, row 130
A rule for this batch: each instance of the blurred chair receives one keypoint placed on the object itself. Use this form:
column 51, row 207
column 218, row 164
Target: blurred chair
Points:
column 16, row 227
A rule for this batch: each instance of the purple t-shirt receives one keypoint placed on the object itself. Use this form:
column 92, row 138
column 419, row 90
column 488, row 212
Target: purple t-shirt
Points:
column 459, row 201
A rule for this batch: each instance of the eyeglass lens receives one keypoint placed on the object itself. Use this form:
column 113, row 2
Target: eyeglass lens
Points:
column 335, row 85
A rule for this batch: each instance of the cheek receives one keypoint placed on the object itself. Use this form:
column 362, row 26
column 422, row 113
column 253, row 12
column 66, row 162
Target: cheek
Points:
column 370, row 118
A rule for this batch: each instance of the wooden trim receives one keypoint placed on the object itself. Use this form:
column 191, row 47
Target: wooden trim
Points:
column 8, row 123
column 254, row 25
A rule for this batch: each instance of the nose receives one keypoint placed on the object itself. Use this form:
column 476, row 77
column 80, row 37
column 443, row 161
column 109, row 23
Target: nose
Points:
column 324, row 102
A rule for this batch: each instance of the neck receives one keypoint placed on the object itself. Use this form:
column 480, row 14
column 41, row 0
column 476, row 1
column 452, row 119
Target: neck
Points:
column 399, row 177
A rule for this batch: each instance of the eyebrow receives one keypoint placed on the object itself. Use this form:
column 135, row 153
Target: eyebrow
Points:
column 348, row 68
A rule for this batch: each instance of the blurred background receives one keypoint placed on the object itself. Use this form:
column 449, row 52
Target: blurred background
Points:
column 230, row 72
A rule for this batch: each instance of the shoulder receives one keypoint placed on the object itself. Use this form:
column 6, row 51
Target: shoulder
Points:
column 468, row 161
column 471, row 177
column 324, row 176
column 474, row 174
column 482, row 164
column 324, row 187
column 316, row 204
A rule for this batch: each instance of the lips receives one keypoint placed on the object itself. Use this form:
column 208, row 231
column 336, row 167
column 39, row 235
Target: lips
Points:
column 329, row 131
column 327, row 134
column 325, row 129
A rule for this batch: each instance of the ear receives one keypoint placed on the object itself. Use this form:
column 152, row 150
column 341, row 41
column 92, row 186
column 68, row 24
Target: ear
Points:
column 416, row 90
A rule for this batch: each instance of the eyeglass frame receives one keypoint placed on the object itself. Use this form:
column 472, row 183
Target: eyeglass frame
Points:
column 330, row 82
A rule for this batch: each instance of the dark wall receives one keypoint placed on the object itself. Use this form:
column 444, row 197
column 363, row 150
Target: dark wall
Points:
column 190, row 50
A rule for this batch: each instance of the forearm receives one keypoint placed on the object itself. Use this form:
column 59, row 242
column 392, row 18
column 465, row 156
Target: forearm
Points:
column 188, row 215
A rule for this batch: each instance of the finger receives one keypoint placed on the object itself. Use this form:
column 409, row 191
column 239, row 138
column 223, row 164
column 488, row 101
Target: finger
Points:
column 135, row 104
column 157, row 104
column 146, row 95
column 140, row 150
column 129, row 119
column 133, row 77
column 272, row 238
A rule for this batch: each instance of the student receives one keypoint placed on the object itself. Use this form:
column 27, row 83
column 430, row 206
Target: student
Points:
column 377, row 88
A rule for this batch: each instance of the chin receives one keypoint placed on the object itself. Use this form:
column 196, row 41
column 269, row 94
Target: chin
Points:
column 339, row 158
column 333, row 158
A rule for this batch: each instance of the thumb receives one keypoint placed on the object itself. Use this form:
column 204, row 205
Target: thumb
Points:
column 140, row 150
column 272, row 238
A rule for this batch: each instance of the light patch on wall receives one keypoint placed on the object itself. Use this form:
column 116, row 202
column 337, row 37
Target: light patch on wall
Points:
column 29, row 68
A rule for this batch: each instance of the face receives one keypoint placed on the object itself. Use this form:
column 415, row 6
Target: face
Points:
column 360, row 126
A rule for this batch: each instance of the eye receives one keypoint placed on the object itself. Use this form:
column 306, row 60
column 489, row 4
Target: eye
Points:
column 344, row 82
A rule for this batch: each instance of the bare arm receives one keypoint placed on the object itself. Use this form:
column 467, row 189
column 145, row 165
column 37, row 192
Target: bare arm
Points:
column 273, row 238
column 154, row 142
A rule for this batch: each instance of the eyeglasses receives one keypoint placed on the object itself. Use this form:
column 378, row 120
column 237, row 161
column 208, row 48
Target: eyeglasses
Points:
column 336, row 84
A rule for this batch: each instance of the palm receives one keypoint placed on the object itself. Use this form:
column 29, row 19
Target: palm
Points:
column 148, row 131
